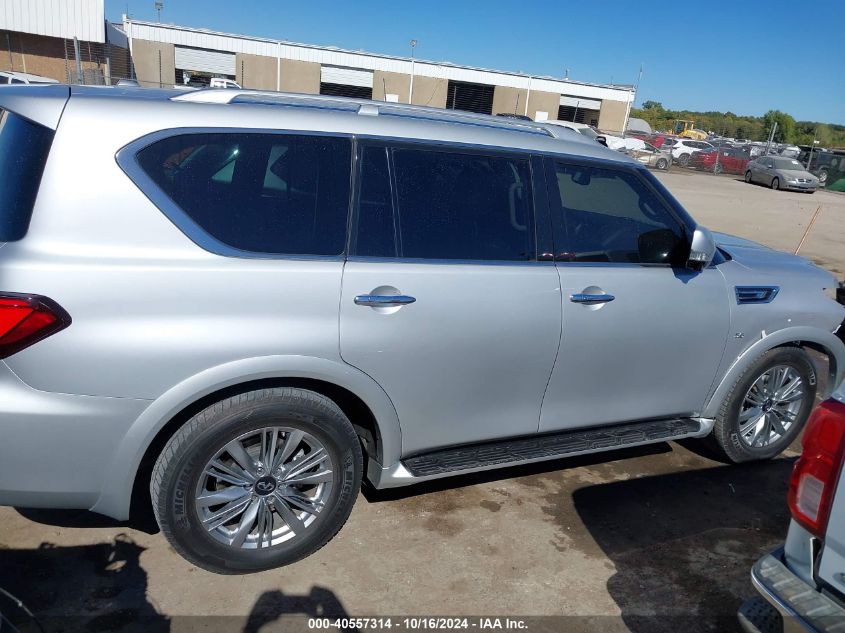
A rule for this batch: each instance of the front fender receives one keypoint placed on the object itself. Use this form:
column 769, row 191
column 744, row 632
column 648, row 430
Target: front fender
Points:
column 830, row 342
column 119, row 475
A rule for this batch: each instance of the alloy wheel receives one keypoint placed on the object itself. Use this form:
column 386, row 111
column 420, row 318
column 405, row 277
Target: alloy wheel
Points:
column 264, row 487
column 771, row 406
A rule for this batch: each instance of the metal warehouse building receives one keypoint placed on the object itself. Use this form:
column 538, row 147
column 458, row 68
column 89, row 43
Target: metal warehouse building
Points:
column 169, row 54
column 71, row 41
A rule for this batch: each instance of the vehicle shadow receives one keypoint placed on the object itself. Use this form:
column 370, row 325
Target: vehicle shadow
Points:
column 99, row 587
column 103, row 587
column 683, row 543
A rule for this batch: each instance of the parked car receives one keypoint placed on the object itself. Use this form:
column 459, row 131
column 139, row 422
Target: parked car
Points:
column 222, row 82
column 583, row 129
column 239, row 322
column 822, row 163
column 651, row 156
column 684, row 148
column 9, row 77
column 729, row 160
column 781, row 173
column 802, row 583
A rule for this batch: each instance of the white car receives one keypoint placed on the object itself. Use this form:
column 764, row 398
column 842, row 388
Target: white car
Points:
column 12, row 77
column 683, row 149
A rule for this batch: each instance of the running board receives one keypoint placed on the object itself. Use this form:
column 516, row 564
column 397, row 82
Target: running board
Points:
column 522, row 450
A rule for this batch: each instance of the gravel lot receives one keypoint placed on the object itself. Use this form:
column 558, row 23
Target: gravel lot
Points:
column 654, row 539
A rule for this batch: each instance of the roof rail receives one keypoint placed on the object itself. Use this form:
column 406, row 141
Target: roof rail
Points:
column 360, row 106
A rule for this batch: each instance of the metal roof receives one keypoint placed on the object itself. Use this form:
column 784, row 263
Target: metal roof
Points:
column 83, row 19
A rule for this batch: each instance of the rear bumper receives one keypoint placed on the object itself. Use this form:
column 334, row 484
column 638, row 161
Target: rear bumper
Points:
column 800, row 605
column 55, row 446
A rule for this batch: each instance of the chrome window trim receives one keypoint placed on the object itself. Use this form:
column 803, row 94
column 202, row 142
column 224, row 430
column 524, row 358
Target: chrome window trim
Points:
column 361, row 259
column 127, row 160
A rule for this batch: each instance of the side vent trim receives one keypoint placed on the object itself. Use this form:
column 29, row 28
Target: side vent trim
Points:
column 756, row 294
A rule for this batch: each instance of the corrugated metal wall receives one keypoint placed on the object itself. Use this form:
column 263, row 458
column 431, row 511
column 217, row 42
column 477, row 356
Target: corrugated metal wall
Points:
column 83, row 19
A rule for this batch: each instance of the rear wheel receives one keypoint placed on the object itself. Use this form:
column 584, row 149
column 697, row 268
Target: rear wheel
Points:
column 748, row 176
column 662, row 163
column 775, row 183
column 257, row 481
column 766, row 407
column 822, row 176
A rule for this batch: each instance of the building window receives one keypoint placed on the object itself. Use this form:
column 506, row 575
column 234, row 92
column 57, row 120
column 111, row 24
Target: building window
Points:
column 470, row 97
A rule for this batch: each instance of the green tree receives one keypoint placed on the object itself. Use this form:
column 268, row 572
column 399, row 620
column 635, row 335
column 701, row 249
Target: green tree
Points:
column 652, row 105
column 786, row 125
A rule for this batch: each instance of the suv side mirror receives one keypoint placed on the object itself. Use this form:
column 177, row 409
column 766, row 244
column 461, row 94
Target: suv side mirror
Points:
column 702, row 250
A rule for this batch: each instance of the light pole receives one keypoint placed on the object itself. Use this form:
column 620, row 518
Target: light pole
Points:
column 159, row 6
column 411, row 89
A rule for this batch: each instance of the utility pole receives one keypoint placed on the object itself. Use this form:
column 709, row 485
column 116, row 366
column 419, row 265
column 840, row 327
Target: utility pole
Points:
column 159, row 6
column 411, row 90
column 771, row 137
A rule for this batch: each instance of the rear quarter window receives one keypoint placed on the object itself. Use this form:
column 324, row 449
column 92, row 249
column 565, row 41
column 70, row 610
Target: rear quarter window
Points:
column 279, row 194
column 24, row 146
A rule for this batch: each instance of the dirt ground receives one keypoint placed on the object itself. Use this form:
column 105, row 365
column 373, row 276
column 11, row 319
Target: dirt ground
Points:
column 654, row 539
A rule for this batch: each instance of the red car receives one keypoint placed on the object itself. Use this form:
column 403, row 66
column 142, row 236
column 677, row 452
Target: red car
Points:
column 730, row 160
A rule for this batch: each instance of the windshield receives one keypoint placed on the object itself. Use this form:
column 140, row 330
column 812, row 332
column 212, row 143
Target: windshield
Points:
column 588, row 132
column 787, row 163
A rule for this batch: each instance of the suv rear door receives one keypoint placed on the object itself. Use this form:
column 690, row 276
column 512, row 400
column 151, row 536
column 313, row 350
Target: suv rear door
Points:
column 642, row 335
column 466, row 348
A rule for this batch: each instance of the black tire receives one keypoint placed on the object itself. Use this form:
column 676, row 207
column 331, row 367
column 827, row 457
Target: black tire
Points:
column 748, row 176
column 725, row 438
column 683, row 160
column 662, row 163
column 822, row 177
column 775, row 183
column 181, row 463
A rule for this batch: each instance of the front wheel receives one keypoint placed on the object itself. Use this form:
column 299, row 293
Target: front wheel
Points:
column 776, row 183
column 662, row 163
column 683, row 160
column 258, row 480
column 766, row 407
column 822, row 177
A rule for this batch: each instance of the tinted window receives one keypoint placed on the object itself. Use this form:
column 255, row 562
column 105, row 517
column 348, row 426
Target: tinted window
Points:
column 266, row 193
column 612, row 216
column 375, row 234
column 23, row 151
column 463, row 206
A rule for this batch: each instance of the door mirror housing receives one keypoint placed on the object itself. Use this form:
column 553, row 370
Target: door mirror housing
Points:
column 702, row 249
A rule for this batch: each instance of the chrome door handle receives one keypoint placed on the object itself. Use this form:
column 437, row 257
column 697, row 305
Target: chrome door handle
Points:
column 383, row 301
column 581, row 297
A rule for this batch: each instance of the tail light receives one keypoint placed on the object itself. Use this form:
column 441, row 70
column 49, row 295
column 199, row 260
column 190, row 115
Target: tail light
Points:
column 816, row 473
column 27, row 319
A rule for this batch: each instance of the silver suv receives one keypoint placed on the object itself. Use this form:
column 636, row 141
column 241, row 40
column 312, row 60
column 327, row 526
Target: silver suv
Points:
column 249, row 303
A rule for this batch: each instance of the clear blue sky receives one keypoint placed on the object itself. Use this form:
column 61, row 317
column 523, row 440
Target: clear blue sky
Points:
column 745, row 57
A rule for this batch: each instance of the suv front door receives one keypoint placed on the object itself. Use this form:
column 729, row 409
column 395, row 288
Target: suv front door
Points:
column 465, row 344
column 642, row 335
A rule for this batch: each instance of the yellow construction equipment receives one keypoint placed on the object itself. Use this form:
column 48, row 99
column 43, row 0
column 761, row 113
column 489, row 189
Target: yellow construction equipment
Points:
column 687, row 129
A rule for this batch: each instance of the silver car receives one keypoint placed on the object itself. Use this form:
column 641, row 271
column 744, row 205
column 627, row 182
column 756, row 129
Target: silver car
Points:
column 802, row 583
column 779, row 172
column 248, row 303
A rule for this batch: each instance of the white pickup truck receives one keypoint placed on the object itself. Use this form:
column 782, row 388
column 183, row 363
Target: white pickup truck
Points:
column 803, row 582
